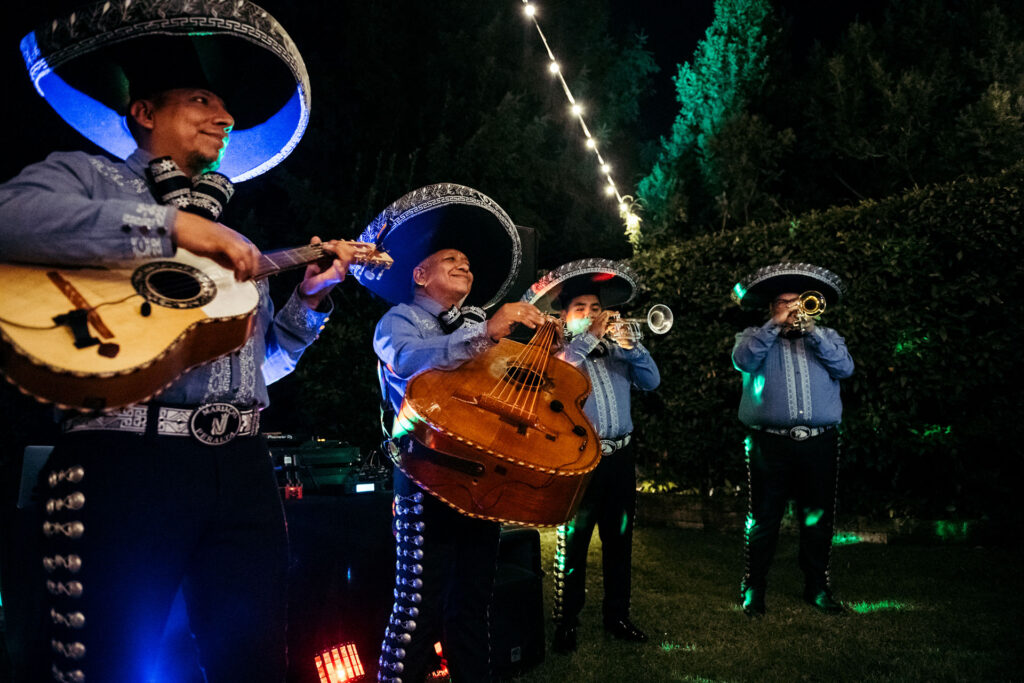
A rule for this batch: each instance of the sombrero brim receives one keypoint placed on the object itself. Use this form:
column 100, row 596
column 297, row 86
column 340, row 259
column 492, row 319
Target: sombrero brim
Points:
column 444, row 216
column 768, row 282
column 85, row 64
column 616, row 283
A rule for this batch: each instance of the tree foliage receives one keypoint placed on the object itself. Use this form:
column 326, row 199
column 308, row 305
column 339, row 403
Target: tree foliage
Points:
column 720, row 157
column 930, row 91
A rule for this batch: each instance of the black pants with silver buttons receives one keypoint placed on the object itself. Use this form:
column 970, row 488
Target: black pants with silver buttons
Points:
column 443, row 581
column 609, row 503
column 127, row 520
column 781, row 469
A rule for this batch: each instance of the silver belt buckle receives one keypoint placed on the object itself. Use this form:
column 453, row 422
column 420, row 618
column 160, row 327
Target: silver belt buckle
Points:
column 215, row 424
column 607, row 446
column 800, row 433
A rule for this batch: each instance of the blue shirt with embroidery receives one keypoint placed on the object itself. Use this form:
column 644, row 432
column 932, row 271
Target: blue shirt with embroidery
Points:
column 611, row 378
column 79, row 209
column 409, row 339
column 789, row 382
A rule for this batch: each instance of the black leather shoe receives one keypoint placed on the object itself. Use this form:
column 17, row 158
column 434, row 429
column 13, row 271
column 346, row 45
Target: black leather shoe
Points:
column 564, row 641
column 821, row 599
column 624, row 629
column 752, row 600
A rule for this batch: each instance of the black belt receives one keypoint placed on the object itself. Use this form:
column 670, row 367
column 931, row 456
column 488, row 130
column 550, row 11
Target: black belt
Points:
column 609, row 446
column 797, row 433
column 213, row 424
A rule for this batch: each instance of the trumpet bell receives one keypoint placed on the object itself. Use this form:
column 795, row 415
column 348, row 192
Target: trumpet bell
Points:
column 812, row 303
column 660, row 319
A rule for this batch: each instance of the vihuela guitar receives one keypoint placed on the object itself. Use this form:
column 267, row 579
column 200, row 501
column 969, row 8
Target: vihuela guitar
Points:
column 97, row 339
column 505, row 434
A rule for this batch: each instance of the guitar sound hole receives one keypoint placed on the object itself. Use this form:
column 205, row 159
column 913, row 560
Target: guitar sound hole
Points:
column 173, row 285
column 524, row 377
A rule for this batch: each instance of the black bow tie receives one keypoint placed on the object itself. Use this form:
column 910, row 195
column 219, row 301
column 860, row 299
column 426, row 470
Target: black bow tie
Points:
column 204, row 195
column 454, row 317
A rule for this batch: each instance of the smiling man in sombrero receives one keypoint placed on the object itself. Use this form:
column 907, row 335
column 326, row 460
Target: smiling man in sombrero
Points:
column 178, row 490
column 791, row 370
column 455, row 253
column 615, row 361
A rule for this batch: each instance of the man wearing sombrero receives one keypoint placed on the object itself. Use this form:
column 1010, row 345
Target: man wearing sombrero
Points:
column 582, row 291
column 455, row 254
column 791, row 370
column 180, row 490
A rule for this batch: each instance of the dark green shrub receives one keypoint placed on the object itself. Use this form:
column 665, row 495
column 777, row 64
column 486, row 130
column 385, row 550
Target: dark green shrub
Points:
column 933, row 318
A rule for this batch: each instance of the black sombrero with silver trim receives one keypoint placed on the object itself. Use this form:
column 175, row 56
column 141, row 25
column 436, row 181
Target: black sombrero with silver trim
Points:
column 443, row 216
column 614, row 283
column 89, row 64
column 767, row 282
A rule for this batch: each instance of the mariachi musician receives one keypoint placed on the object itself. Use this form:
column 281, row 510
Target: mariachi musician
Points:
column 455, row 254
column 179, row 490
column 615, row 362
column 791, row 371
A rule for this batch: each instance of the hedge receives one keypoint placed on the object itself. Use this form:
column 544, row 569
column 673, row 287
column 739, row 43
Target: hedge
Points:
column 932, row 419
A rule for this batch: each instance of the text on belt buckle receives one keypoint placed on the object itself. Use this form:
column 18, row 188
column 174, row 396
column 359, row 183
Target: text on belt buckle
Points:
column 800, row 433
column 215, row 423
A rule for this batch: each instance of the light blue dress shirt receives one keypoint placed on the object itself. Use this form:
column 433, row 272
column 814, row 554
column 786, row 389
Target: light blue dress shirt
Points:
column 789, row 382
column 75, row 208
column 611, row 378
column 409, row 339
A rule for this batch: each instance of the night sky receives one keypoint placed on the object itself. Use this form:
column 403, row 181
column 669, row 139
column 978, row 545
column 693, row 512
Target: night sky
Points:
column 673, row 30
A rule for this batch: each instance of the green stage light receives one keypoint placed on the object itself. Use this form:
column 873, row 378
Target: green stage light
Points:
column 880, row 606
column 846, row 538
column 948, row 530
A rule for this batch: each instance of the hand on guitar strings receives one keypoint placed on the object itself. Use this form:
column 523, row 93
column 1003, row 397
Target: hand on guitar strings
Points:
column 319, row 280
column 227, row 247
column 508, row 316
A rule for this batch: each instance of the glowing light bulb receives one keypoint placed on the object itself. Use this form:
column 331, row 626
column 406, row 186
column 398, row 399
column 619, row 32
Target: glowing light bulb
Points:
column 591, row 144
column 609, row 189
column 553, row 67
column 606, row 168
column 577, row 109
column 529, row 10
column 622, row 207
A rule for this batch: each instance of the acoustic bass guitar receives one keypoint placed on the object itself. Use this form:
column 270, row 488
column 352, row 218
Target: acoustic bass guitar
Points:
column 505, row 435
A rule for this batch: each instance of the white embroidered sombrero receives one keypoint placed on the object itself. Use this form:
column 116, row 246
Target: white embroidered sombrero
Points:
column 765, row 283
column 443, row 216
column 613, row 282
column 89, row 64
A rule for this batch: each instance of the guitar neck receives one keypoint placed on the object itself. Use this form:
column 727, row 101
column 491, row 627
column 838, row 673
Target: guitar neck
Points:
column 273, row 262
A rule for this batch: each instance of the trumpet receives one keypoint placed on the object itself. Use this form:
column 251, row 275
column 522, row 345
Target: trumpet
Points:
column 659, row 319
column 811, row 304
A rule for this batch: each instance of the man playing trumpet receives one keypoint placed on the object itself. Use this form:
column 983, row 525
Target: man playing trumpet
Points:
column 614, row 362
column 791, row 371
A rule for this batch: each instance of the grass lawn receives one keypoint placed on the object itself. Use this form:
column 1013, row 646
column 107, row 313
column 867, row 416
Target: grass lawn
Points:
column 919, row 613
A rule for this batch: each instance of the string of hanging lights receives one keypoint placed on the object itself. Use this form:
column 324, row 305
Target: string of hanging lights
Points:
column 626, row 206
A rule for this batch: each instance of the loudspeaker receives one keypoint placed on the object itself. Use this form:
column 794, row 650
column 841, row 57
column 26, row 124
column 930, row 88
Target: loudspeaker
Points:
column 517, row 606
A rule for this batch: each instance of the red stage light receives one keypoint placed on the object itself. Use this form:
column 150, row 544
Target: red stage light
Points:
column 339, row 664
column 441, row 674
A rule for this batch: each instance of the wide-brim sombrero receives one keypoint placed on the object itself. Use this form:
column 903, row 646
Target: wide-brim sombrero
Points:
column 614, row 283
column 88, row 64
column 765, row 283
column 443, row 216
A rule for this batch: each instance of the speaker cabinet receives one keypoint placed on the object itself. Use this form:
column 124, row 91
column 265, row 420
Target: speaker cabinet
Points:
column 517, row 606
